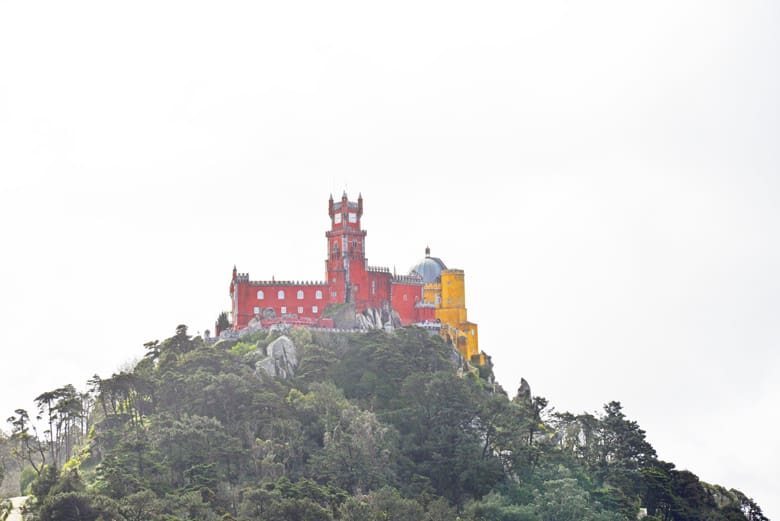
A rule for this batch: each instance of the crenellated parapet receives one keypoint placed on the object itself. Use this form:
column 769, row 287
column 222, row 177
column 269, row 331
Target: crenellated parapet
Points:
column 377, row 269
column 407, row 279
column 292, row 283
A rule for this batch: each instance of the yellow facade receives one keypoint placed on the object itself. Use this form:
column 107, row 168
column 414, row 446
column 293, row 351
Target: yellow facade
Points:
column 449, row 299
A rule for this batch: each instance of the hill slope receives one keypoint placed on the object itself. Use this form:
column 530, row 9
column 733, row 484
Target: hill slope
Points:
column 333, row 426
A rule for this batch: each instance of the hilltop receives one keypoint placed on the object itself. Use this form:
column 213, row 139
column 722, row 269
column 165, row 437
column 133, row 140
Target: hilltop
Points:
column 319, row 425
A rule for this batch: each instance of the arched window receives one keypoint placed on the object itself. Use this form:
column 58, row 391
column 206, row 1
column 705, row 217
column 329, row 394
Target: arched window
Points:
column 280, row 295
column 260, row 295
column 315, row 309
column 318, row 295
column 300, row 294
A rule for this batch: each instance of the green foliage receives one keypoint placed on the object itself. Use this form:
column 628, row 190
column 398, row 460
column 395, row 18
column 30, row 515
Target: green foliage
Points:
column 26, row 479
column 375, row 426
column 223, row 322
column 242, row 348
column 5, row 509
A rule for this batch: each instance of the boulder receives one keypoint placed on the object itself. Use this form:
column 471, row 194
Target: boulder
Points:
column 524, row 392
column 282, row 359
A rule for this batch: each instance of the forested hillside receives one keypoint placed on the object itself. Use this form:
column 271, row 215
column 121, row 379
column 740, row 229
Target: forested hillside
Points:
column 373, row 426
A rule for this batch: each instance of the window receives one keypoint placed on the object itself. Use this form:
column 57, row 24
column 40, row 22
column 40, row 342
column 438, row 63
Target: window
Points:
column 315, row 309
column 354, row 244
column 373, row 287
column 257, row 310
column 300, row 294
column 318, row 295
column 260, row 295
column 333, row 294
column 406, row 297
column 284, row 310
column 352, row 217
column 280, row 295
column 300, row 309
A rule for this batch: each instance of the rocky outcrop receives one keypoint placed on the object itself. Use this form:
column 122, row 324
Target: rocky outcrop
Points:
column 282, row 359
column 378, row 318
column 343, row 315
column 524, row 392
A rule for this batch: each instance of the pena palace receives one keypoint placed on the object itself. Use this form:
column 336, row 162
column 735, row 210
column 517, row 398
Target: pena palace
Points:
column 430, row 295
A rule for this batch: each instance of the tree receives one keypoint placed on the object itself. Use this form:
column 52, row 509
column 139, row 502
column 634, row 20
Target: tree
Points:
column 29, row 447
column 223, row 322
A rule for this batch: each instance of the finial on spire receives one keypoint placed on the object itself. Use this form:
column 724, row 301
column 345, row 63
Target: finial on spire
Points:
column 427, row 251
column 331, row 196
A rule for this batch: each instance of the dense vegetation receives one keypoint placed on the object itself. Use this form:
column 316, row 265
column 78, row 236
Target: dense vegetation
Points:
column 375, row 426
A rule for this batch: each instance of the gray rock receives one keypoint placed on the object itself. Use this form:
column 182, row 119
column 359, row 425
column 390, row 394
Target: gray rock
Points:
column 524, row 392
column 282, row 359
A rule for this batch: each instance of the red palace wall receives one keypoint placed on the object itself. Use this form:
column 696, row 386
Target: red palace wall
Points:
column 246, row 299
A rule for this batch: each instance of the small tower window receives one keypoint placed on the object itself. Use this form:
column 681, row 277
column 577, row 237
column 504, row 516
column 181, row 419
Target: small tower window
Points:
column 280, row 296
column 257, row 310
column 284, row 310
column 373, row 287
column 260, row 295
column 300, row 294
column 300, row 309
column 315, row 309
column 318, row 295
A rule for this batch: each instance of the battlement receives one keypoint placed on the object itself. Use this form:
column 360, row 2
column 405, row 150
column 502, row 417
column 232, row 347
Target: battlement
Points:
column 292, row 283
column 377, row 269
column 408, row 279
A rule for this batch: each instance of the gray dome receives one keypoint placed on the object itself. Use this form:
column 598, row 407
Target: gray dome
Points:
column 429, row 268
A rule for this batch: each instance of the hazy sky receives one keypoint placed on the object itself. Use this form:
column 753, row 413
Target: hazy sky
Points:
column 606, row 173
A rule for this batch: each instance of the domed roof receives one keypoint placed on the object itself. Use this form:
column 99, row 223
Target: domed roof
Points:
column 429, row 268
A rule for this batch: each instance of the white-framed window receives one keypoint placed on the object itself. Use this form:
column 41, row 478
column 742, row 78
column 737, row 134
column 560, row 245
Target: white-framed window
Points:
column 284, row 310
column 260, row 295
column 318, row 295
column 315, row 309
column 406, row 297
column 352, row 217
column 300, row 309
column 333, row 294
column 280, row 295
column 257, row 310
column 300, row 294
column 373, row 287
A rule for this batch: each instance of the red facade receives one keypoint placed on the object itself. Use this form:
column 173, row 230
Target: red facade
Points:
column 349, row 279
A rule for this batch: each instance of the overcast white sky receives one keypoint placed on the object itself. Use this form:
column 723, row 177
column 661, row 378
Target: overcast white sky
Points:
column 607, row 173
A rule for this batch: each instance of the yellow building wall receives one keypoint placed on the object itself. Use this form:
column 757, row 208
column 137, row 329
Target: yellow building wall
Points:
column 449, row 297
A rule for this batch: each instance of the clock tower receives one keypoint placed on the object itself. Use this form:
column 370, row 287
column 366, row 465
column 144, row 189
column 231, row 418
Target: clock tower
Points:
column 346, row 262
